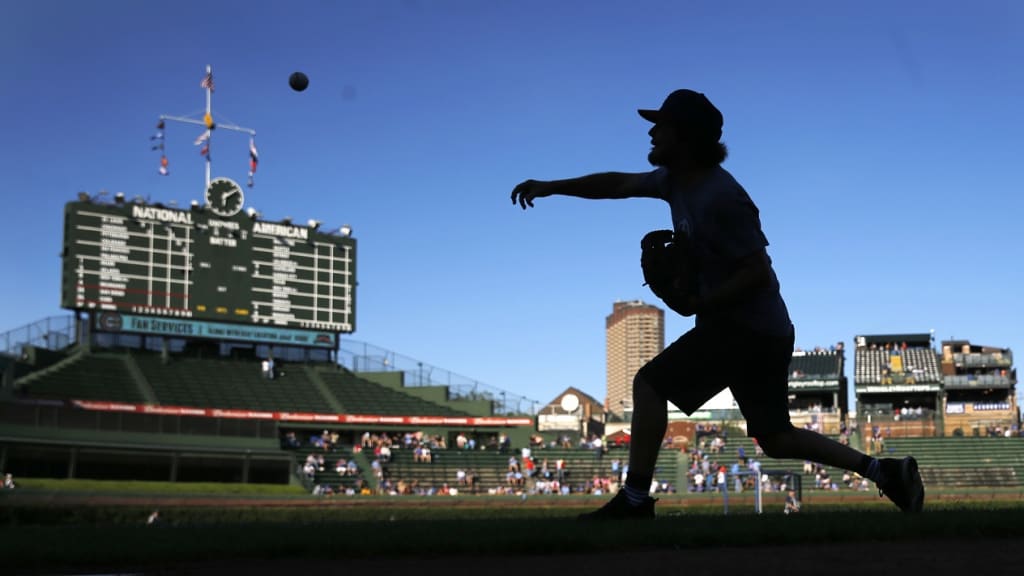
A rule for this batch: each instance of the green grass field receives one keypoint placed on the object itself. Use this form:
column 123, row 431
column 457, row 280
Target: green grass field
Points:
column 46, row 529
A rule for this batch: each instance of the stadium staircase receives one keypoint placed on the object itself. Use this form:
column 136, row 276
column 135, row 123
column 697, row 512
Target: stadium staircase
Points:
column 102, row 376
column 360, row 396
column 314, row 377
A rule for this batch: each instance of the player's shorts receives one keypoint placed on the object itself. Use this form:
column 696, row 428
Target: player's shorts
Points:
column 705, row 361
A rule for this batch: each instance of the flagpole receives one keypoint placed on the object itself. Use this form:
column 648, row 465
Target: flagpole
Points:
column 209, row 114
column 207, row 122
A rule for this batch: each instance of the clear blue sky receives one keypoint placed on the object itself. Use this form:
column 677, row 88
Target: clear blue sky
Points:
column 881, row 141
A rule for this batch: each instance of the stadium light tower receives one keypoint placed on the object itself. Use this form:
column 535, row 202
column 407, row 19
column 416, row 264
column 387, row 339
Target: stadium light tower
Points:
column 208, row 122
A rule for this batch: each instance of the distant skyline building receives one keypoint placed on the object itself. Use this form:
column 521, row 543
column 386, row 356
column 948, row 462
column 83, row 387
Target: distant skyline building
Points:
column 634, row 333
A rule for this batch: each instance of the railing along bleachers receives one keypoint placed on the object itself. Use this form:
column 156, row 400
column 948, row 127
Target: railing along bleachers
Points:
column 85, row 377
column 360, row 396
column 214, row 383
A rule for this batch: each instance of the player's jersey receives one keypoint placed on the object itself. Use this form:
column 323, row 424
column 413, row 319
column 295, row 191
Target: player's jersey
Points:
column 723, row 226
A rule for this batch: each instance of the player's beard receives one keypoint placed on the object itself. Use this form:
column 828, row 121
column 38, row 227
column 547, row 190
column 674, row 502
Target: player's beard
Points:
column 658, row 156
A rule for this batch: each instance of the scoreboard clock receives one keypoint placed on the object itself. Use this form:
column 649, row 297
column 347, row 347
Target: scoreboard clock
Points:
column 224, row 197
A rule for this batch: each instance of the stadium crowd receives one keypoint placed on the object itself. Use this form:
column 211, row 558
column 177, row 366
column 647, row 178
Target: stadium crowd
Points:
column 525, row 473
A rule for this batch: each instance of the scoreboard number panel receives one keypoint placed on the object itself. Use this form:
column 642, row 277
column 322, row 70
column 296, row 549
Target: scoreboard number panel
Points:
column 159, row 261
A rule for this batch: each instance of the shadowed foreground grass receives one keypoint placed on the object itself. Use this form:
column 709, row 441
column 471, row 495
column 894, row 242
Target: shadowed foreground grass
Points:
column 196, row 535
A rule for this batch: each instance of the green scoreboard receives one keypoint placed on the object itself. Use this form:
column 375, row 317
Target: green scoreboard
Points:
column 205, row 264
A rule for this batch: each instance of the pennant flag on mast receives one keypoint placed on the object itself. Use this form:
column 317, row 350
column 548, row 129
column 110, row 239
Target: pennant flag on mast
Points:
column 254, row 159
column 158, row 140
column 207, row 81
column 204, row 140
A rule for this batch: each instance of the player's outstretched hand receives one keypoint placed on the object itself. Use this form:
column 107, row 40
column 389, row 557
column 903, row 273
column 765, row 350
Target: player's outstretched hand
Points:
column 527, row 191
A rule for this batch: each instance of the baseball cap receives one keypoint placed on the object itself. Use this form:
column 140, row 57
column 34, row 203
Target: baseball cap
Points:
column 689, row 110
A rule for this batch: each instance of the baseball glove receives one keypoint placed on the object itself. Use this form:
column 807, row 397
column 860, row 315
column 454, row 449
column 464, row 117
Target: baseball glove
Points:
column 668, row 269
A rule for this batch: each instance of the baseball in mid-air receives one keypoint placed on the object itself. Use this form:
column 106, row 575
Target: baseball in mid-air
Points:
column 298, row 81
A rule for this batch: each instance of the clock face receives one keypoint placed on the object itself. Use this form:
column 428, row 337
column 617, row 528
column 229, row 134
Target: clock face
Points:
column 224, row 197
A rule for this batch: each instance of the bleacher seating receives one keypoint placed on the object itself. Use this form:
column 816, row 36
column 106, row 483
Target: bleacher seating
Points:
column 821, row 365
column 921, row 363
column 965, row 462
column 730, row 454
column 924, row 363
column 215, row 383
column 85, row 377
column 868, row 364
column 329, row 475
column 360, row 396
column 491, row 466
column 488, row 467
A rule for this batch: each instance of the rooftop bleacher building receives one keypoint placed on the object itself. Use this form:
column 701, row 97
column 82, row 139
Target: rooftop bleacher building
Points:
column 979, row 385
column 818, row 388
column 898, row 385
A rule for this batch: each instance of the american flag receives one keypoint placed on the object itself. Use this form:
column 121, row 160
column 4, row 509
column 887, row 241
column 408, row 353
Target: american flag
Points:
column 207, row 81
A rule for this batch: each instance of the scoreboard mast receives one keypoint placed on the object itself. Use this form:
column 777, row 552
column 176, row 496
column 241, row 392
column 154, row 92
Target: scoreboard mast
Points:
column 215, row 263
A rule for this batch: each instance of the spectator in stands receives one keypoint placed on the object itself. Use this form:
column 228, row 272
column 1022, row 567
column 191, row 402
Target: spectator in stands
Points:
column 792, row 505
column 737, row 480
column 265, row 369
column 309, row 467
column 289, row 441
column 9, row 483
column 460, row 441
column 529, row 467
column 597, row 445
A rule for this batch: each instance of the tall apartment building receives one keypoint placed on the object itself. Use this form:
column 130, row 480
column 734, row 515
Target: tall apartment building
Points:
column 634, row 333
